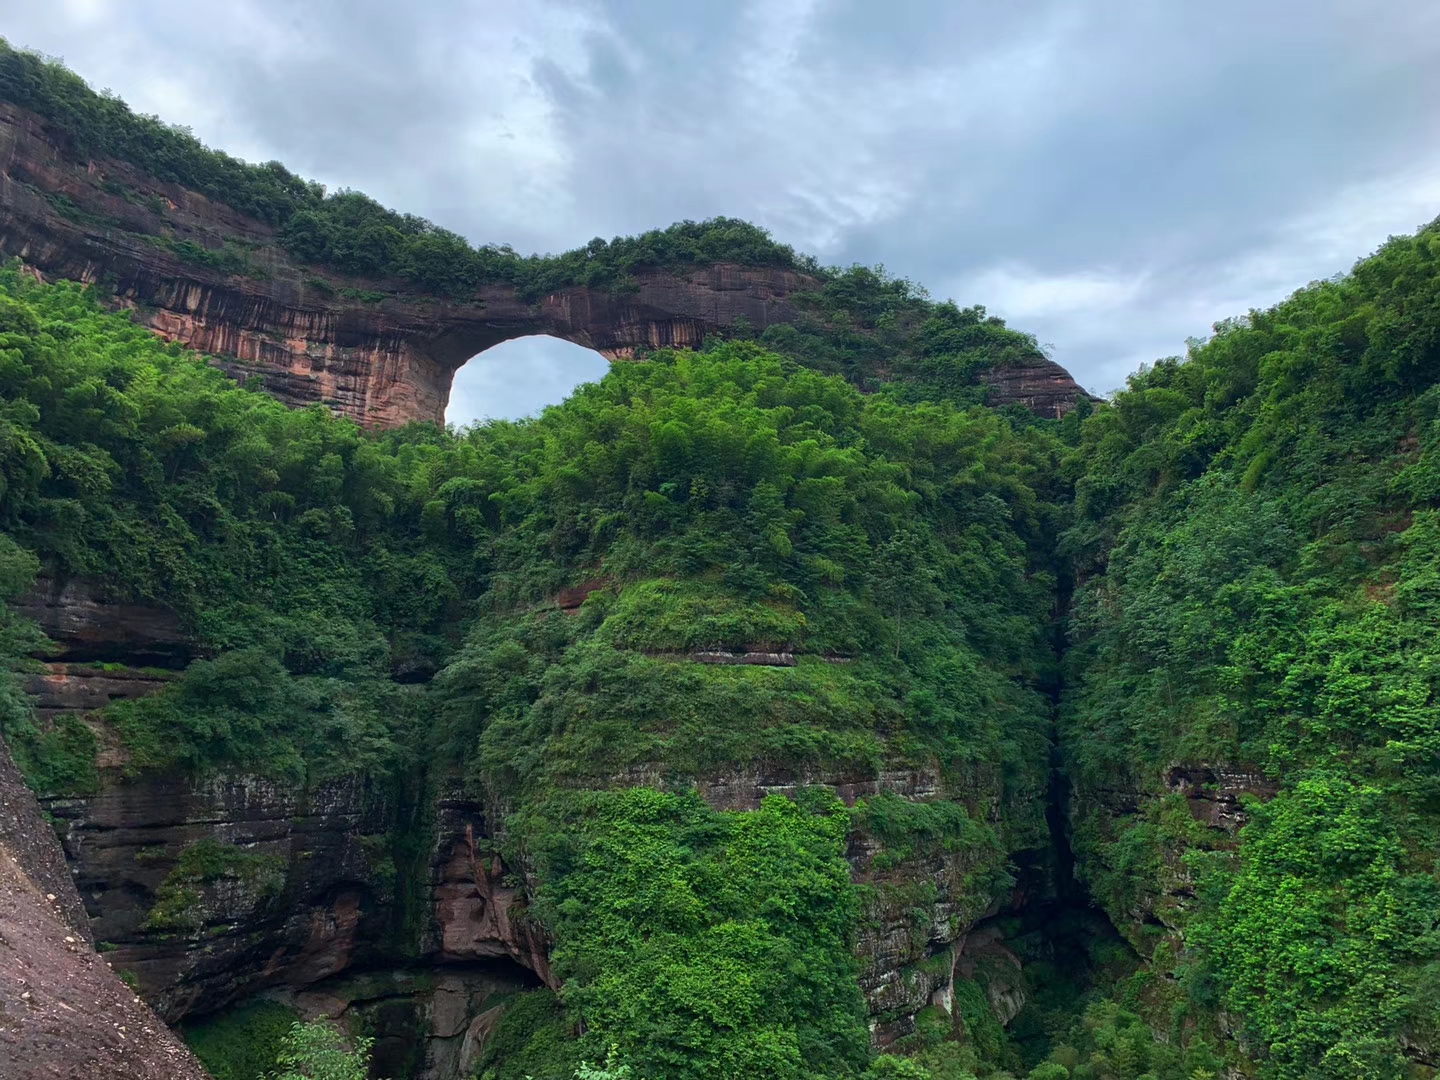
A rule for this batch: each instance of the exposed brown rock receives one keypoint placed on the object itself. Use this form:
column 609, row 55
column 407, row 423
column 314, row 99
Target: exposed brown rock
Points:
column 429, row 1024
column 477, row 903
column 1041, row 385
column 1212, row 792
column 325, row 910
column 381, row 362
column 62, row 688
column 87, row 626
column 64, row 1013
column 569, row 600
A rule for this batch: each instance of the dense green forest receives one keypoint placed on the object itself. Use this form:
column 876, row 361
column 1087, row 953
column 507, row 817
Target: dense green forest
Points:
column 1172, row 660
column 1258, row 526
column 1253, row 531
column 730, row 499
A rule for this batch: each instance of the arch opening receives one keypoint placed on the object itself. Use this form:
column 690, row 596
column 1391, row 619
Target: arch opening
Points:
column 519, row 377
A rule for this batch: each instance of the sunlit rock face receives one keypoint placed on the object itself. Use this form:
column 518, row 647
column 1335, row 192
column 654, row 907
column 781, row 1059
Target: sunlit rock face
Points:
column 377, row 351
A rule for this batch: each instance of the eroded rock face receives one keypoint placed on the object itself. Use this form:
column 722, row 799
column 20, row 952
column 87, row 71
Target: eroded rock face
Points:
column 309, row 902
column 64, row 1013
column 382, row 361
column 432, row 1024
column 1213, row 791
column 1213, row 794
column 87, row 626
column 476, row 902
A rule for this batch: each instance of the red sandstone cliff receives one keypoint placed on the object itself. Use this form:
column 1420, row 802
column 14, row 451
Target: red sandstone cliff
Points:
column 381, row 361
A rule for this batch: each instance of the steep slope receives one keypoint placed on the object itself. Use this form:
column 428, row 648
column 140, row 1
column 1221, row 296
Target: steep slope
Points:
column 64, row 1014
column 1251, row 726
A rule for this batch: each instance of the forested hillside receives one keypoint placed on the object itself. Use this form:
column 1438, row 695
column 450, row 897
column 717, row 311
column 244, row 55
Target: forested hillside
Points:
column 1257, row 524
column 720, row 504
column 773, row 709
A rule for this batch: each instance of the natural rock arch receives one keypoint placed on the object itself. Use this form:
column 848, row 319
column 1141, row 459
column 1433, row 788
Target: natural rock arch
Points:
column 374, row 350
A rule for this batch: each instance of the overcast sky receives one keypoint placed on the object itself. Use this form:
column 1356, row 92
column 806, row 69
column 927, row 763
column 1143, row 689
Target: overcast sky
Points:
column 1111, row 176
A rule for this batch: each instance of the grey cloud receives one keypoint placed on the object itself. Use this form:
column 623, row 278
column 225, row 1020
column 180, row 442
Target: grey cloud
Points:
column 1115, row 176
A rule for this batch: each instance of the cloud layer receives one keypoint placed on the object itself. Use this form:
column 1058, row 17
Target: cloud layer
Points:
column 1113, row 178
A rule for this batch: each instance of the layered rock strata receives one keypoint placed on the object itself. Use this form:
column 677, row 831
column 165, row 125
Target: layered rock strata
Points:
column 374, row 350
column 64, row 1013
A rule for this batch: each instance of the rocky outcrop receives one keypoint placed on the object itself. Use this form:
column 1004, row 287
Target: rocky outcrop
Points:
column 374, row 350
column 85, row 625
column 1213, row 792
column 1041, row 385
column 476, row 902
column 380, row 354
column 430, row 1023
column 312, row 911
column 64, row 1013
column 293, row 891
column 1153, row 908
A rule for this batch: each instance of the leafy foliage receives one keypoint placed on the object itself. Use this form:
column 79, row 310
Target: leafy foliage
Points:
column 1258, row 523
column 243, row 1042
column 321, row 1051
column 284, row 540
column 706, row 943
column 878, row 330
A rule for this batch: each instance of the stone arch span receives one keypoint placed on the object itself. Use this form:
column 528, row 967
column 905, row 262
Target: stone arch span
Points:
column 397, row 362
column 377, row 351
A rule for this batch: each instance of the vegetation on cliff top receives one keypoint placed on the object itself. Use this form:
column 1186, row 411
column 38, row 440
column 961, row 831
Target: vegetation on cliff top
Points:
column 723, row 500
column 346, row 229
column 861, row 323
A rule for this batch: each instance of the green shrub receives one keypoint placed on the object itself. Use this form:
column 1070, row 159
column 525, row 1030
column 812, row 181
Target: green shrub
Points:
column 240, row 1043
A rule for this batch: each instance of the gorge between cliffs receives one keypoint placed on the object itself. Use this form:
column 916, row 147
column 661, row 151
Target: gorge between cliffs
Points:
column 835, row 689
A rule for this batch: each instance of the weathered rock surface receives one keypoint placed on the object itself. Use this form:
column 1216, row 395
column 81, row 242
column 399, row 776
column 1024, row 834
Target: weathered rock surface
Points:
column 318, row 906
column 87, row 626
column 382, row 361
column 1212, row 792
column 477, row 906
column 64, row 1013
column 431, row 1023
